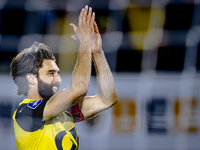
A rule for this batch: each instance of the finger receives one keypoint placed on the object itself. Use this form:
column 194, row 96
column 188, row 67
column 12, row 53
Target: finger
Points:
column 85, row 13
column 74, row 27
column 89, row 15
column 92, row 19
column 74, row 37
column 80, row 16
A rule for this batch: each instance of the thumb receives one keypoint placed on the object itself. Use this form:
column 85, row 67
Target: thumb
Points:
column 74, row 27
column 74, row 37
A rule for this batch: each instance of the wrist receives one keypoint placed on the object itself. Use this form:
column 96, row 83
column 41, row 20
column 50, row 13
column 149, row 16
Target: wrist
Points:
column 97, row 52
column 85, row 40
column 85, row 44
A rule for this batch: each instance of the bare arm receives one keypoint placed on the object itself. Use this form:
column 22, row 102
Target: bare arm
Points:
column 82, row 70
column 106, row 96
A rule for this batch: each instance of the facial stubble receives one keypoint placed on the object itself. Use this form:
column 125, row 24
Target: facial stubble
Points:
column 45, row 89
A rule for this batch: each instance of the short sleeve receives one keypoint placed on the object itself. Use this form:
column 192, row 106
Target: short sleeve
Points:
column 30, row 118
column 76, row 113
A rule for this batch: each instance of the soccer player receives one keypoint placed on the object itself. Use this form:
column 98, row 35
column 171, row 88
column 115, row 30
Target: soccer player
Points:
column 45, row 118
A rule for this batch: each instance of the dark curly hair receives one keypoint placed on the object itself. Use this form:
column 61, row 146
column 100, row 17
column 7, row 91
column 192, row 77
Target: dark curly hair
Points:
column 27, row 61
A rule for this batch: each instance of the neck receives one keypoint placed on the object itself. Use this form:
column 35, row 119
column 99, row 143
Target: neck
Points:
column 34, row 95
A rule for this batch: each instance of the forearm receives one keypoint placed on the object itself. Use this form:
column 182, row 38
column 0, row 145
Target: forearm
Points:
column 106, row 87
column 78, row 88
column 82, row 70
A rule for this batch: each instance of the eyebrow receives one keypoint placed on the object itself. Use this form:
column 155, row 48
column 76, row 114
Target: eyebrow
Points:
column 54, row 71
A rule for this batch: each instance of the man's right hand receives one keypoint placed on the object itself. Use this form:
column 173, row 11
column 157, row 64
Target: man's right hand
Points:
column 85, row 30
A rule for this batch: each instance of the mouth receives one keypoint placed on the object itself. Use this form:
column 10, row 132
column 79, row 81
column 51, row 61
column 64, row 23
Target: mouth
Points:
column 55, row 88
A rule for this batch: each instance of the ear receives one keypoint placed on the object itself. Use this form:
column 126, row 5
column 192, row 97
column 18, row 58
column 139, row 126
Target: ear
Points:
column 31, row 78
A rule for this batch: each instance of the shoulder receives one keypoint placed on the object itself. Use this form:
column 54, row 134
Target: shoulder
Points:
column 31, row 109
column 29, row 115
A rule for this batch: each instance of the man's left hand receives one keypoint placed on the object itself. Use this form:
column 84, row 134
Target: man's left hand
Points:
column 96, row 42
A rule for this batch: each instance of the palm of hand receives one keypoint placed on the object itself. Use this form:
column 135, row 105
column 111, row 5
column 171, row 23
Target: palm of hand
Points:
column 96, row 40
column 96, row 43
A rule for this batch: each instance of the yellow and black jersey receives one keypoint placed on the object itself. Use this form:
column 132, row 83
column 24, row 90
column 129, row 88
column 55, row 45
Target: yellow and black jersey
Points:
column 58, row 133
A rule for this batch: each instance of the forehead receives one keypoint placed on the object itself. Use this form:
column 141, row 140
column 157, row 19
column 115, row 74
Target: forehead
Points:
column 49, row 65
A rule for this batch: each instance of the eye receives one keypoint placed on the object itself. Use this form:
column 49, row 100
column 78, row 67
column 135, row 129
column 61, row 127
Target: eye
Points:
column 51, row 73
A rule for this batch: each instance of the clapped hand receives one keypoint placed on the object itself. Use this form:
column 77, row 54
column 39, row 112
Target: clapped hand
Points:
column 85, row 30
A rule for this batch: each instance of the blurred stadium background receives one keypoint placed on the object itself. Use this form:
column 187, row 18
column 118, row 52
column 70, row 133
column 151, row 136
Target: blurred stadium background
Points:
column 153, row 50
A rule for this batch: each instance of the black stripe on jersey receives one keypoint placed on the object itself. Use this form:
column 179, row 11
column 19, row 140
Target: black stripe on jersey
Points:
column 30, row 119
column 73, row 146
column 59, row 138
column 75, row 135
column 68, row 114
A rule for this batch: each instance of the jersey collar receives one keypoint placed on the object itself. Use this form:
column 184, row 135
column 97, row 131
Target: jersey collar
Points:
column 26, row 100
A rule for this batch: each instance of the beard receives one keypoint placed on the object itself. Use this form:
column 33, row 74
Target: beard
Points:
column 46, row 90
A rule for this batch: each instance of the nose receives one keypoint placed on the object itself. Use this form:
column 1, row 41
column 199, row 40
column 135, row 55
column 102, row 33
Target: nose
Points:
column 58, row 79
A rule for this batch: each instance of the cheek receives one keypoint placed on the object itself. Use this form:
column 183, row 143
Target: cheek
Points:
column 46, row 79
